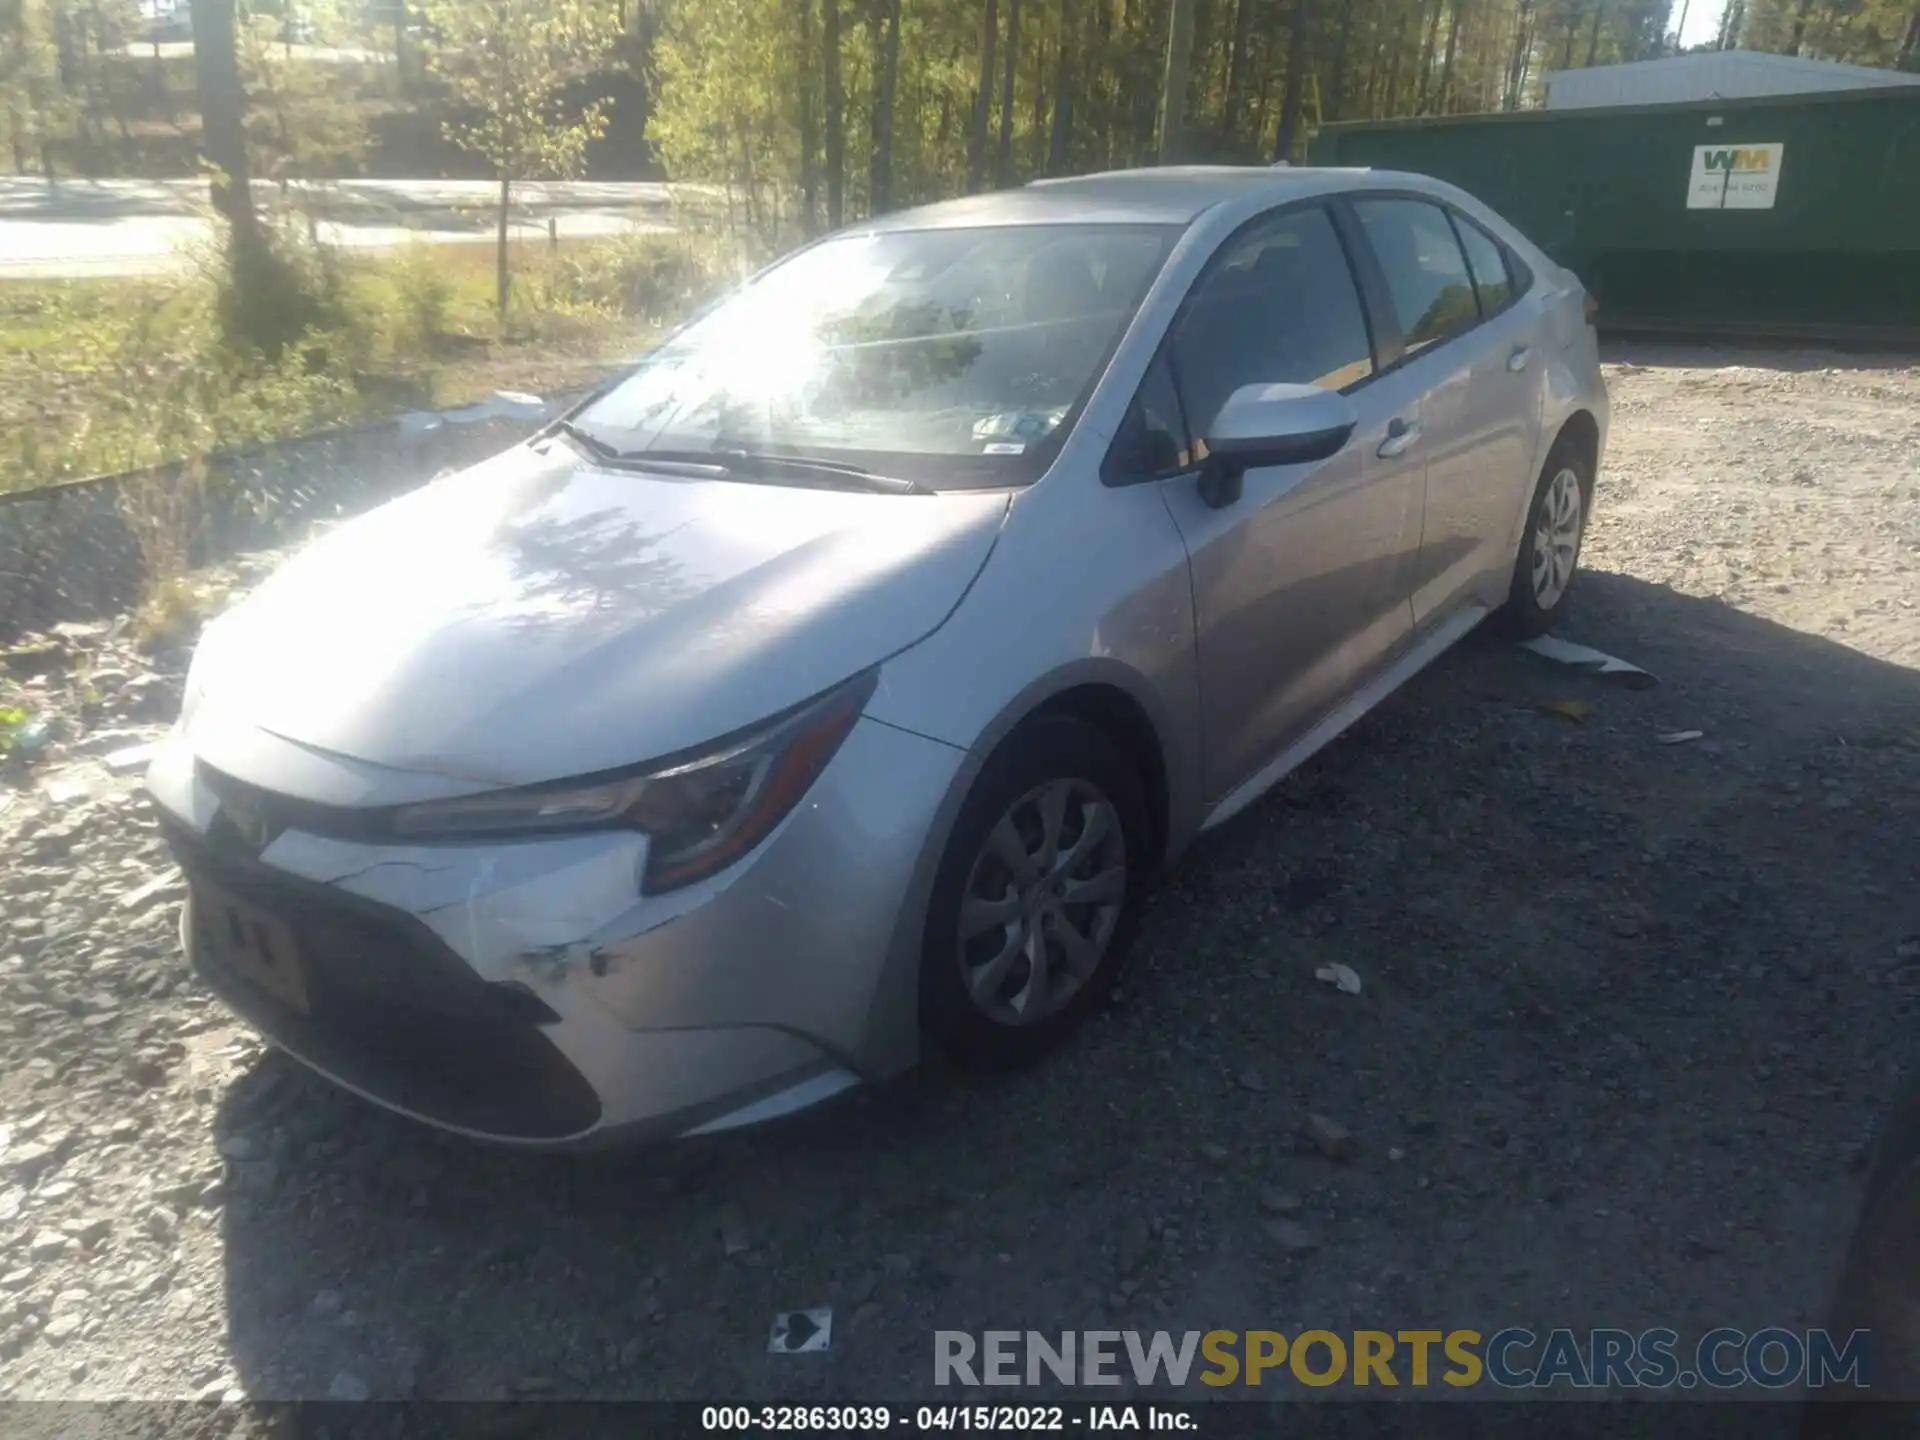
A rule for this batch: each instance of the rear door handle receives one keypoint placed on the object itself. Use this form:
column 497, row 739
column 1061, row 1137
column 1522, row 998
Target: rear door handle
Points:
column 1517, row 361
column 1400, row 435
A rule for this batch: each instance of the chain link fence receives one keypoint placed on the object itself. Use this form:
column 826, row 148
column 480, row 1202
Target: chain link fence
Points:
column 90, row 549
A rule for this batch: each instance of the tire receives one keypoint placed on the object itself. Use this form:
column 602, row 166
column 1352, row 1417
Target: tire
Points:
column 1532, row 607
column 1878, row 1290
column 978, row 1001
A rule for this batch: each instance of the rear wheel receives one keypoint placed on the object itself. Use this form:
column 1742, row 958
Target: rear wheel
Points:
column 1550, row 549
column 1032, row 907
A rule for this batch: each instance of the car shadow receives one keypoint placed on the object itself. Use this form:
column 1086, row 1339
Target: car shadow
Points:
column 1624, row 1030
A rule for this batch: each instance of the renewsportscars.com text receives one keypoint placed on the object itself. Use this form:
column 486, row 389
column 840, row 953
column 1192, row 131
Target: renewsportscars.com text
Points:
column 1512, row 1359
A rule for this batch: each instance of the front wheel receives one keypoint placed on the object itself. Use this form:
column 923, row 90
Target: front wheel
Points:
column 1550, row 549
column 1031, row 909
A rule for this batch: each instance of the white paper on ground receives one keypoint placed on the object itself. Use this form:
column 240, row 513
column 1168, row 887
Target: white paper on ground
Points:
column 1585, row 657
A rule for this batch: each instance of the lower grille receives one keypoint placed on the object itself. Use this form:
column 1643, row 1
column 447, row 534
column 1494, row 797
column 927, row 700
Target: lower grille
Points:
column 390, row 1010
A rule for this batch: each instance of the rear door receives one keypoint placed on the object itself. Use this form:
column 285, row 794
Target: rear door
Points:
column 1468, row 349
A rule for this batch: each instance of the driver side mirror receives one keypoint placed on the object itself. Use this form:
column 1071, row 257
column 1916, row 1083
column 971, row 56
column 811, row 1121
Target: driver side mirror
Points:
column 1272, row 425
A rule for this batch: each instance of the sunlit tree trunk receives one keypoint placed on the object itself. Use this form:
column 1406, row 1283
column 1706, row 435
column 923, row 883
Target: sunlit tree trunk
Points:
column 1173, row 86
column 880, row 183
column 1296, row 71
column 982, row 100
column 1426, row 55
column 1446, row 64
column 1337, row 101
column 1060, row 133
column 1799, row 26
column 809, row 142
column 501, row 274
column 1236, row 69
column 1003, row 157
column 223, row 109
column 836, row 115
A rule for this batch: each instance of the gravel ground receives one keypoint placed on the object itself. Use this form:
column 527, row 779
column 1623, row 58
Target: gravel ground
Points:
column 1630, row 1011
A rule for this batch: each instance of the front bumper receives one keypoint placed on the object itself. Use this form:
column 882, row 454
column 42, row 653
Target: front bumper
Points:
column 526, row 993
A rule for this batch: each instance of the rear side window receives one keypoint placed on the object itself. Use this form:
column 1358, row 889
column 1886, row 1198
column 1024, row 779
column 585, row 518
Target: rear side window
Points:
column 1492, row 280
column 1279, row 304
column 1426, row 273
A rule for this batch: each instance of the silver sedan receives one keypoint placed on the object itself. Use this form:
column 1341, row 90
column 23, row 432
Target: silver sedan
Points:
column 834, row 680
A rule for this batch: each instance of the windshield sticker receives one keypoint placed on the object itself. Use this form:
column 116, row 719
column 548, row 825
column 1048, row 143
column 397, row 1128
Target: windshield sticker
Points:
column 1023, row 425
column 1003, row 447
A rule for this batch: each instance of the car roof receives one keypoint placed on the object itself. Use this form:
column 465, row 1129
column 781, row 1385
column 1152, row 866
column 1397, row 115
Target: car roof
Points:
column 1161, row 195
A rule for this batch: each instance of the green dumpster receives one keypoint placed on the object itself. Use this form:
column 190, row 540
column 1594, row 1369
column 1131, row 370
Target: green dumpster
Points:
column 1786, row 215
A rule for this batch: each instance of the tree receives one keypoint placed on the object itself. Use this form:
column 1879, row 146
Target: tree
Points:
column 941, row 97
column 1173, row 86
column 808, row 142
column 223, row 121
column 1003, row 157
column 508, row 64
column 1060, row 130
column 1296, row 71
column 1237, row 66
column 880, row 175
column 836, row 114
column 40, row 109
column 982, row 101
column 300, row 122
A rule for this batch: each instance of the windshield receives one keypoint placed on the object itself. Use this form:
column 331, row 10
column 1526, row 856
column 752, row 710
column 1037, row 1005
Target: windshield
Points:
column 950, row 357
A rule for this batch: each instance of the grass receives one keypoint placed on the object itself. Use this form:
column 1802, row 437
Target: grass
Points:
column 103, row 375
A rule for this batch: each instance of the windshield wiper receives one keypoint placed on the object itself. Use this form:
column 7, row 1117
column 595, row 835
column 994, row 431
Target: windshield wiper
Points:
column 608, row 454
column 743, row 463
column 765, row 464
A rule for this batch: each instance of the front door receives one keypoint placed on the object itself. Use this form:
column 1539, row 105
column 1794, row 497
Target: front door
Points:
column 1300, row 586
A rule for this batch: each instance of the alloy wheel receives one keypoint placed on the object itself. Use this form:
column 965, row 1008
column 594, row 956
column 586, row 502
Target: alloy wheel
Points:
column 1556, row 538
column 1042, row 902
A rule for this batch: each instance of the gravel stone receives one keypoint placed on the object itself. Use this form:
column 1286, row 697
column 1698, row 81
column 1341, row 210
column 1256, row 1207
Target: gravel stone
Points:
column 1755, row 544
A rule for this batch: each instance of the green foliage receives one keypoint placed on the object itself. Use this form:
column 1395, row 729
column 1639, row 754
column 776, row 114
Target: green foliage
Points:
column 101, row 376
column 742, row 83
column 508, row 62
column 37, row 109
column 13, row 719
column 167, row 384
column 302, row 120
column 507, row 65
column 658, row 278
column 1883, row 33
column 423, row 293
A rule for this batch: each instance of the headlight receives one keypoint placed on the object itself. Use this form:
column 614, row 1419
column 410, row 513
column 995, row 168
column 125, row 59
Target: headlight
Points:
column 699, row 814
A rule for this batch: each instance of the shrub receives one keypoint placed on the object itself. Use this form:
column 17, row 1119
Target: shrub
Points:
column 658, row 278
column 423, row 297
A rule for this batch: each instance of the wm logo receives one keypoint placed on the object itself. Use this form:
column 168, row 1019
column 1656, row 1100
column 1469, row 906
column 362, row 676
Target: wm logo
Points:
column 1735, row 160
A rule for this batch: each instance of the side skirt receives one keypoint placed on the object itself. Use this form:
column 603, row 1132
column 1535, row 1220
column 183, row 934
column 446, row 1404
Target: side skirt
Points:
column 1433, row 645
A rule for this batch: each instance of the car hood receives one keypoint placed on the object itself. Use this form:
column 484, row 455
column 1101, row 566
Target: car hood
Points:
column 538, row 617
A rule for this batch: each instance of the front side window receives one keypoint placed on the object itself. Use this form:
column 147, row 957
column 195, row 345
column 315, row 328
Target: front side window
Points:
column 1279, row 304
column 1426, row 273
column 1153, row 440
column 951, row 357
column 1489, row 265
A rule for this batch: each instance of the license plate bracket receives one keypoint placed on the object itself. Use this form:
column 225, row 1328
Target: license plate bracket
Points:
column 251, row 944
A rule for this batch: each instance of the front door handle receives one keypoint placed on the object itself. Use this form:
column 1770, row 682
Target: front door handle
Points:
column 1400, row 435
column 1517, row 361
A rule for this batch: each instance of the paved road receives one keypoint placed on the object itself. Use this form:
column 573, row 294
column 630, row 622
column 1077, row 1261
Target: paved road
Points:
column 134, row 227
column 321, row 54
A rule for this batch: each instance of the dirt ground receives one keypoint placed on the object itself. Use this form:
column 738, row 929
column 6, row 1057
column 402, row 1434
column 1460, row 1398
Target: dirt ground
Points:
column 1630, row 1012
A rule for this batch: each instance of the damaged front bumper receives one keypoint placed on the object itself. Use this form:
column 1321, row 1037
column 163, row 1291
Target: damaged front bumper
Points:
column 526, row 992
